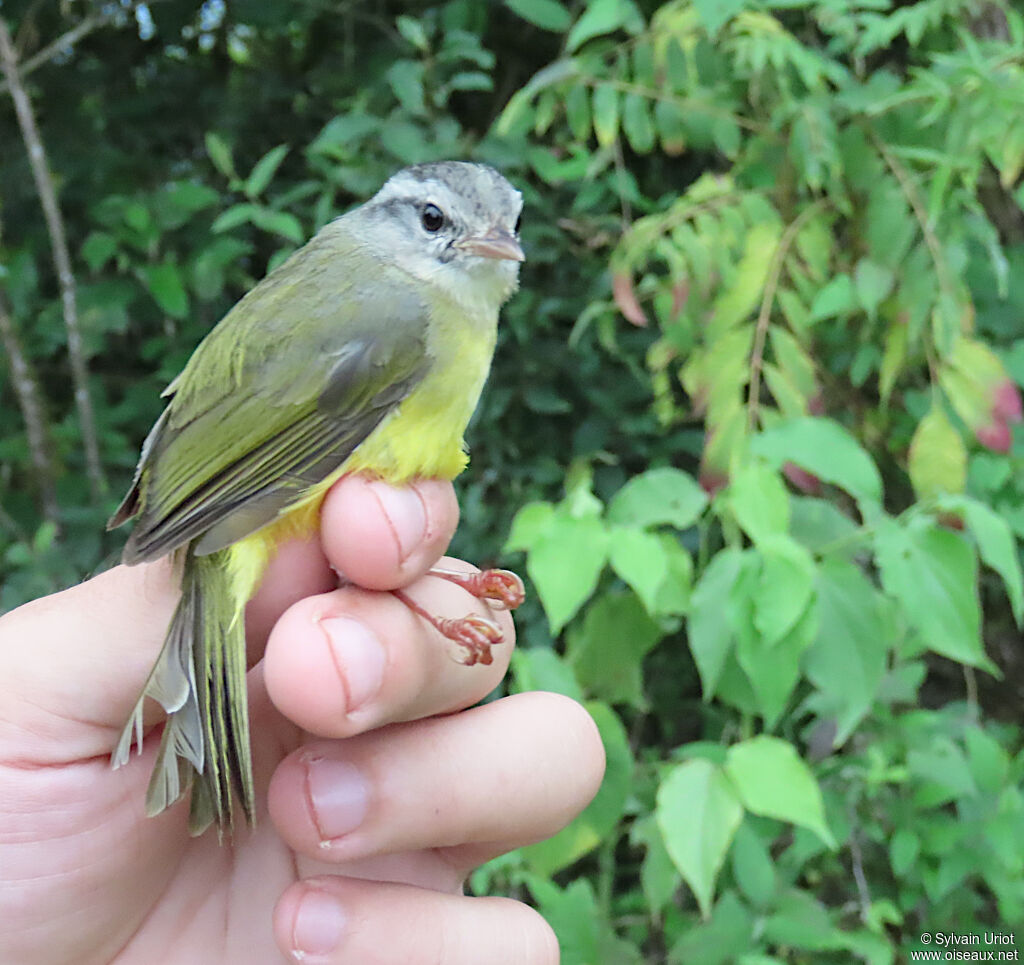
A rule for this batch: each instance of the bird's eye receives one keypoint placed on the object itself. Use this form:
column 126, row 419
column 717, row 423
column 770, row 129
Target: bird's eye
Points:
column 432, row 218
column 519, row 224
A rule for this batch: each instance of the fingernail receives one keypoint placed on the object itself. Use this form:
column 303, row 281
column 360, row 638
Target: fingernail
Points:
column 319, row 923
column 360, row 658
column 338, row 795
column 405, row 513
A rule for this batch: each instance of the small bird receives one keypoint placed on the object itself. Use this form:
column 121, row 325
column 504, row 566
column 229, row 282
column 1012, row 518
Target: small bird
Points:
column 365, row 351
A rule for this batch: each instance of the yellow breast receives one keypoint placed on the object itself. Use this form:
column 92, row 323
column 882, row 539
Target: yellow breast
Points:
column 422, row 438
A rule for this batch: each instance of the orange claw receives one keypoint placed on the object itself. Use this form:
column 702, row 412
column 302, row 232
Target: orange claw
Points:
column 500, row 589
column 475, row 634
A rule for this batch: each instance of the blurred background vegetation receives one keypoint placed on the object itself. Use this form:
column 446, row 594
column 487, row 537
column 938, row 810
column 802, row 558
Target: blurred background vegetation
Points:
column 752, row 429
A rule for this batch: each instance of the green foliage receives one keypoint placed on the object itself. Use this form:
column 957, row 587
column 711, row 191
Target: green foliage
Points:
column 751, row 430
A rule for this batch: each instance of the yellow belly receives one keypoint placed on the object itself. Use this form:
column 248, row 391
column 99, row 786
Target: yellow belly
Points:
column 422, row 438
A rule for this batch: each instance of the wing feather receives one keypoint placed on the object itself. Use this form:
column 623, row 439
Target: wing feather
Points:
column 265, row 410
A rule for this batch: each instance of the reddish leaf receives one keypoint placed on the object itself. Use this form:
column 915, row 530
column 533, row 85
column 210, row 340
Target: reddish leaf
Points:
column 680, row 294
column 1006, row 404
column 950, row 521
column 995, row 436
column 625, row 298
column 712, row 480
column 803, row 480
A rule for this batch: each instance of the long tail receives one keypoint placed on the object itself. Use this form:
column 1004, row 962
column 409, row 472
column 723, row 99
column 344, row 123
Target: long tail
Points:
column 199, row 680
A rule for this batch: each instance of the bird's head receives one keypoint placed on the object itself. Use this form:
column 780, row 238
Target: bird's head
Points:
column 453, row 225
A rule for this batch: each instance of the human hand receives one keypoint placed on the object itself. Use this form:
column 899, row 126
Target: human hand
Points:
column 378, row 806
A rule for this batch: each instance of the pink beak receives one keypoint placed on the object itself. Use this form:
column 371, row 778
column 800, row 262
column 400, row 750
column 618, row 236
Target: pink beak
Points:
column 497, row 243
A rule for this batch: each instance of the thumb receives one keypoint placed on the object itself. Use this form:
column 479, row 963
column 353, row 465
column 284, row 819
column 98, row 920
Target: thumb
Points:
column 73, row 664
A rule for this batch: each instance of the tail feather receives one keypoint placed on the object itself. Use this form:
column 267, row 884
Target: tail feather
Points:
column 199, row 680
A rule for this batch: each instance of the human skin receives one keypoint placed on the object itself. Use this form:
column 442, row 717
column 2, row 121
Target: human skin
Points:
column 379, row 784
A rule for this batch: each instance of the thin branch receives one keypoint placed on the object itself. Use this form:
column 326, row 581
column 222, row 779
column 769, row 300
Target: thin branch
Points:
column 61, row 260
column 26, row 391
column 771, row 285
column 910, row 192
column 65, row 40
column 857, row 864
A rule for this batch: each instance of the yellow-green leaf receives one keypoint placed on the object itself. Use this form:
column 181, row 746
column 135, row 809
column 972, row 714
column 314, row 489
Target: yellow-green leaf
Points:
column 938, row 456
column 742, row 295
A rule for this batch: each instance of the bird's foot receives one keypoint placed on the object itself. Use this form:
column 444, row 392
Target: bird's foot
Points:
column 475, row 634
column 499, row 589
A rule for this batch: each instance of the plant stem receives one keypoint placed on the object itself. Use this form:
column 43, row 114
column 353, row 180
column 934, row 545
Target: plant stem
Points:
column 51, row 50
column 61, row 260
column 26, row 391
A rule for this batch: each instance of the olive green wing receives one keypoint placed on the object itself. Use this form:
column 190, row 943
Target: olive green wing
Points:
column 265, row 409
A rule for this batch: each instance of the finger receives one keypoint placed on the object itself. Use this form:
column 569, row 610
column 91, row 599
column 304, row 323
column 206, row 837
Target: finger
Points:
column 376, row 535
column 72, row 663
column 476, row 783
column 382, row 537
column 346, row 661
column 330, row 919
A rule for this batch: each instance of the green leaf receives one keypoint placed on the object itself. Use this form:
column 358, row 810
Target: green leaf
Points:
column 220, row 154
column 752, row 866
column 279, row 223
column 658, row 496
column 639, row 558
column 606, row 114
column 211, row 264
column 539, row 668
column 674, row 595
column 565, row 563
column 546, row 14
column 600, row 818
column 720, row 941
column 904, row 849
column 606, row 650
column 529, row 523
column 406, row 80
column 837, row 299
column 698, row 813
column 873, row 283
column 801, row 921
column 658, row 875
column 827, row 450
column 714, row 14
column 165, row 285
column 941, row 773
column 471, row 80
column 737, row 300
column 938, row 457
column 584, row 932
column 847, row 660
column 342, row 134
column 821, row 526
column 577, row 111
column 412, row 30
column 636, row 123
column 670, row 120
column 98, row 248
column 996, row 544
column 772, row 669
column 933, row 573
column 988, row 760
column 759, row 500
column 603, row 17
column 771, row 780
column 236, row 215
column 264, row 169
column 709, row 628
column 784, row 588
